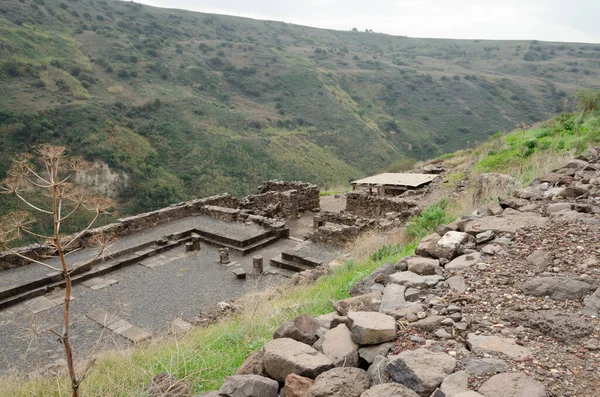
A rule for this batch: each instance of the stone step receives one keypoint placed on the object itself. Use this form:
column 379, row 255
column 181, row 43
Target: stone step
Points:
column 279, row 262
column 23, row 292
column 233, row 243
column 306, row 261
column 242, row 250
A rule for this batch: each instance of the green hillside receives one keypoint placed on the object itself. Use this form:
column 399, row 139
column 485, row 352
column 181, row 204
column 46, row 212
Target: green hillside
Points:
column 191, row 104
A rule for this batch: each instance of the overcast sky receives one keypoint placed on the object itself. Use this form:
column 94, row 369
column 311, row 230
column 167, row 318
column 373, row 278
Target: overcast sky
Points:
column 551, row 20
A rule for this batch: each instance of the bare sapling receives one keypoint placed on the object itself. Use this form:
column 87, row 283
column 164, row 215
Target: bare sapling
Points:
column 48, row 175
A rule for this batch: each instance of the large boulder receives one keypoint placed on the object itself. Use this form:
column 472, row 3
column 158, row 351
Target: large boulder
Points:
column 421, row 370
column 370, row 328
column 303, row 328
column 340, row 382
column 389, row 390
column 286, row 356
column 393, row 298
column 427, row 246
column 562, row 326
column 297, row 386
column 253, row 365
column 249, row 386
column 376, row 371
column 481, row 344
column 362, row 303
column 512, row 385
column 448, row 246
column 337, row 344
column 558, row 288
column 464, row 261
column 420, row 265
column 411, row 279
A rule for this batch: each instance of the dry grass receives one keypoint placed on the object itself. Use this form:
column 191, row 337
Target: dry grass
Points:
column 369, row 242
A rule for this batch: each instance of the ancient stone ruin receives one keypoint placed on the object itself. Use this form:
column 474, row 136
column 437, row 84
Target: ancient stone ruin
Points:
column 380, row 202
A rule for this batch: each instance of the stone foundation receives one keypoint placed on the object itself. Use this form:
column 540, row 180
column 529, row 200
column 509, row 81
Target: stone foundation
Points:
column 341, row 228
column 307, row 194
column 373, row 206
column 268, row 209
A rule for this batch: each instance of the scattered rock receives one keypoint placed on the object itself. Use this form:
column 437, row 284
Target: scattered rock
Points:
column 253, row 365
column 376, row 371
column 249, row 386
column 485, row 366
column 505, row 223
column 481, row 344
column 557, row 324
column 464, row 261
column 368, row 353
column 297, row 386
column 592, row 304
column 557, row 288
column 365, row 303
column 364, row 286
column 511, row 385
column 455, row 384
column 484, row 237
column 457, row 284
column 393, row 298
column 331, row 320
column 286, row 356
column 427, row 246
column 340, row 382
column 448, row 246
column 422, row 266
column 539, row 259
column 421, row 370
column 338, row 346
column 370, row 328
column 389, row 390
column 303, row 328
column 428, row 324
column 411, row 279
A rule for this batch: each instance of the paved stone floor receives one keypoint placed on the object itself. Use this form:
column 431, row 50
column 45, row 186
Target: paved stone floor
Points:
column 136, row 302
column 235, row 230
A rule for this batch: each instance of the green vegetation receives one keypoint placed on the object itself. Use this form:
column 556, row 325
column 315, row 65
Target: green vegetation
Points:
column 525, row 154
column 431, row 217
column 192, row 104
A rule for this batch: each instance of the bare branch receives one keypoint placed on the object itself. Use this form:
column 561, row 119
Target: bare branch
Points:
column 31, row 205
column 35, row 234
column 83, row 231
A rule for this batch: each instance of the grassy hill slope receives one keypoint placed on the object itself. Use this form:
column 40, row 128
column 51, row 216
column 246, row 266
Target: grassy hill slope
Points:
column 191, row 104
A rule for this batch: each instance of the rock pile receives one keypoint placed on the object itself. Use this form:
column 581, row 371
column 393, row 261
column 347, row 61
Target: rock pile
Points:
column 501, row 303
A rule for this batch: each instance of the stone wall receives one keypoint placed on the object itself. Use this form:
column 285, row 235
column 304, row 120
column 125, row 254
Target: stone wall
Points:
column 341, row 228
column 373, row 206
column 265, row 204
column 307, row 193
